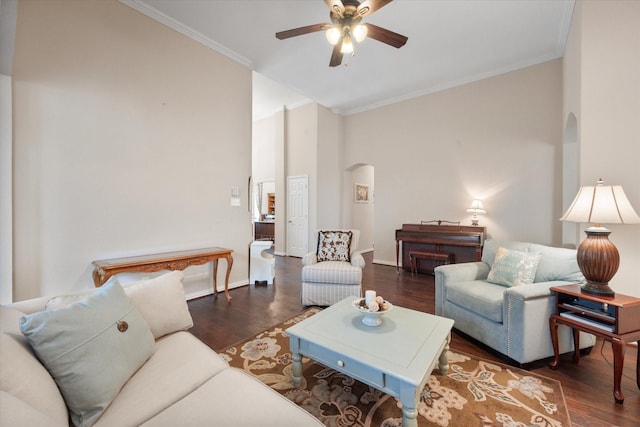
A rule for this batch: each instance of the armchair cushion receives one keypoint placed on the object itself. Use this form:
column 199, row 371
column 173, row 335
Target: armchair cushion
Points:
column 513, row 268
column 337, row 272
column 334, row 246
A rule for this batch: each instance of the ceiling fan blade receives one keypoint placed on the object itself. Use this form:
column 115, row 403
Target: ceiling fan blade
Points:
column 367, row 7
column 336, row 55
column 302, row 30
column 336, row 7
column 385, row 36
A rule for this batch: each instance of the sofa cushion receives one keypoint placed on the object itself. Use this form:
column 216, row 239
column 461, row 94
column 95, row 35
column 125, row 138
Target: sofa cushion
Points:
column 234, row 398
column 23, row 376
column 15, row 412
column 478, row 296
column 332, row 272
column 91, row 348
column 557, row 264
column 513, row 268
column 160, row 301
column 180, row 364
column 334, row 246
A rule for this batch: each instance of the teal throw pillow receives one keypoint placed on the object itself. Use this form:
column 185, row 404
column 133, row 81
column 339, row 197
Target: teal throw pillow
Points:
column 513, row 268
column 90, row 348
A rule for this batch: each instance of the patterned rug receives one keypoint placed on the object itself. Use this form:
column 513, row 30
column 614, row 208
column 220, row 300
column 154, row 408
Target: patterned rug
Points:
column 473, row 393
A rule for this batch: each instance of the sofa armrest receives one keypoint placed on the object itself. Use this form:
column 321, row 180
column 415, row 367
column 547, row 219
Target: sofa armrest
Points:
column 532, row 290
column 309, row 259
column 463, row 272
column 357, row 260
column 451, row 273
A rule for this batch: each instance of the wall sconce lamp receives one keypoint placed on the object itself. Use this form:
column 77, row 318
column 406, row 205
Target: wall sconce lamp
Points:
column 597, row 256
column 476, row 208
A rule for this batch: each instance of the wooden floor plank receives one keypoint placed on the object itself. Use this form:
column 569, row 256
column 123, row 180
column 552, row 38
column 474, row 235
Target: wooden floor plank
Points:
column 588, row 386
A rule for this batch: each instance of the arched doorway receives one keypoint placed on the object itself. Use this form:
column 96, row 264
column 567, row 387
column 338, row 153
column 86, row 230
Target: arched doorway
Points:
column 359, row 202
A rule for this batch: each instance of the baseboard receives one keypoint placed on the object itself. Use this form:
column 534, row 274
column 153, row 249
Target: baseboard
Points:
column 207, row 292
column 384, row 262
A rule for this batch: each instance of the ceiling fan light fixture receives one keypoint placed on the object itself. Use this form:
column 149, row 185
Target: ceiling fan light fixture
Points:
column 333, row 35
column 360, row 33
column 347, row 44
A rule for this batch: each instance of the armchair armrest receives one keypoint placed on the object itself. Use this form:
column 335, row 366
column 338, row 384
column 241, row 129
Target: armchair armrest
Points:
column 357, row 260
column 462, row 272
column 532, row 290
column 309, row 259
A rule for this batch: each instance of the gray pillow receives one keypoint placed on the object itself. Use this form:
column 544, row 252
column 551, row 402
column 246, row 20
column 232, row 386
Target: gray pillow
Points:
column 90, row 348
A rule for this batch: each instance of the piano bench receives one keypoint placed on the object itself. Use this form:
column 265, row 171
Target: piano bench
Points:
column 439, row 257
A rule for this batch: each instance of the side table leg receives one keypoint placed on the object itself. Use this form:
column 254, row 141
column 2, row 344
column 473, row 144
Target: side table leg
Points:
column 296, row 369
column 553, row 329
column 618, row 364
column 576, row 345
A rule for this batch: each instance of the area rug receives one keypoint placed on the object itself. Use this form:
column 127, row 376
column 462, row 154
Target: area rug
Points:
column 473, row 393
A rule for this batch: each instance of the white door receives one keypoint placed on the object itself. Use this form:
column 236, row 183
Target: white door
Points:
column 297, row 215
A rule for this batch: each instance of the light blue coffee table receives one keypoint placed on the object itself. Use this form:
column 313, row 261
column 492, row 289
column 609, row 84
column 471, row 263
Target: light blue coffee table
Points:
column 396, row 357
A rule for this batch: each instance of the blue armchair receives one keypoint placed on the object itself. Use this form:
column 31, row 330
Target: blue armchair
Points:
column 512, row 320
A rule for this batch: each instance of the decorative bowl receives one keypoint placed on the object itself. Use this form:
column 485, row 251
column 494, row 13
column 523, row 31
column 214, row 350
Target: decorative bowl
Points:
column 371, row 318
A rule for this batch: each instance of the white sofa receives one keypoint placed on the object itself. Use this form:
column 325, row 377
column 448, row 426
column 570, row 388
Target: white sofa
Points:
column 182, row 383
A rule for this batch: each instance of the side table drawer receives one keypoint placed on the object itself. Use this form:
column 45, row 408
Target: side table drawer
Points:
column 349, row 366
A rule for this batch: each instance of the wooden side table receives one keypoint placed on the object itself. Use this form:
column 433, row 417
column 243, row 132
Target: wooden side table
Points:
column 615, row 319
column 179, row 260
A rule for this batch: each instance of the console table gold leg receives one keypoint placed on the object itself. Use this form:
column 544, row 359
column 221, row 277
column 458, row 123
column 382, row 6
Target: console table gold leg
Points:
column 226, row 279
column 215, row 277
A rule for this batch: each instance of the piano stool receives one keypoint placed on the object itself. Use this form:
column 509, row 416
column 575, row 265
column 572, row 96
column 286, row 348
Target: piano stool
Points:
column 415, row 256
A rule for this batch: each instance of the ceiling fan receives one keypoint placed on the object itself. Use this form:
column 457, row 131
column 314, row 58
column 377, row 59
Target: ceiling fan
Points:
column 346, row 26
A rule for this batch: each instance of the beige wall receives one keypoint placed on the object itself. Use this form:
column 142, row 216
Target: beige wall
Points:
column 602, row 90
column 124, row 143
column 498, row 139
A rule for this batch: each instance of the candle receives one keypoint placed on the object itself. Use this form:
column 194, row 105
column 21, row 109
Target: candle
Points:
column 369, row 297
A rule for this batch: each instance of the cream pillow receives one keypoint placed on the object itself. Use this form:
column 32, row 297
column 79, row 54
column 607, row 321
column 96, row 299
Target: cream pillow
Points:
column 91, row 348
column 513, row 268
column 162, row 303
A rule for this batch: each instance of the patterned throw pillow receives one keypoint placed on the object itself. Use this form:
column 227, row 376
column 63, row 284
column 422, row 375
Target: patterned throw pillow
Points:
column 513, row 268
column 334, row 246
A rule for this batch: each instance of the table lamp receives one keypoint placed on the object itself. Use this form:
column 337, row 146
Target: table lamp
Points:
column 476, row 208
column 598, row 258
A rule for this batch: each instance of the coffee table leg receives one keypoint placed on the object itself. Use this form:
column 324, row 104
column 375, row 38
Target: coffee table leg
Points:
column 296, row 369
column 409, row 416
column 443, row 362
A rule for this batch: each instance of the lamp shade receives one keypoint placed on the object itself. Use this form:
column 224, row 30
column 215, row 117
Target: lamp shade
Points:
column 476, row 207
column 601, row 204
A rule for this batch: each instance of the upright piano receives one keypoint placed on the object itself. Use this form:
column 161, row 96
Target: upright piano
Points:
column 464, row 242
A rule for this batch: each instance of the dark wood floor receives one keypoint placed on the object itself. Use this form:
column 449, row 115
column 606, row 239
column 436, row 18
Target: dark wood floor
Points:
column 587, row 386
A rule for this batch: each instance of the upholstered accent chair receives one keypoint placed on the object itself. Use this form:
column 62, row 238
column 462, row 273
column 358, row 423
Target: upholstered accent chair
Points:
column 334, row 271
column 504, row 300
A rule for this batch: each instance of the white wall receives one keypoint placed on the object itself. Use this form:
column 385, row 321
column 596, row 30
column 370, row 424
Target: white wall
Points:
column 124, row 143
column 602, row 89
column 329, row 170
column 6, row 192
column 499, row 140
